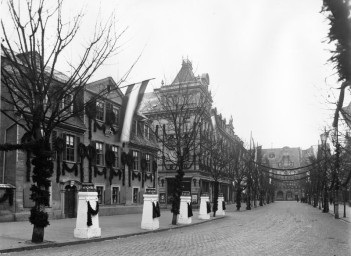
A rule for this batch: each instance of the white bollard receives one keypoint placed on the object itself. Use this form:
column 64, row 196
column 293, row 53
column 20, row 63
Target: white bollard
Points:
column 185, row 199
column 82, row 229
column 220, row 211
column 150, row 201
column 203, row 207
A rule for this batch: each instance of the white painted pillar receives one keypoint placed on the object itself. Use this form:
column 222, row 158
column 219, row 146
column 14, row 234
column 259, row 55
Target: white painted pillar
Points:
column 220, row 211
column 82, row 230
column 147, row 221
column 203, row 207
column 183, row 211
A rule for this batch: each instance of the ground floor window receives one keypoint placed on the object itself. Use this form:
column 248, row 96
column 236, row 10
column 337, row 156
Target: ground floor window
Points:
column 135, row 195
column 100, row 190
column 115, row 195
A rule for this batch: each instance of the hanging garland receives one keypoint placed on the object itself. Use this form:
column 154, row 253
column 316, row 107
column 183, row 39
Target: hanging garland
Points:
column 82, row 153
column 92, row 212
column 154, row 165
column 58, row 145
column 74, row 169
column 136, row 175
column 110, row 157
column 8, row 195
column 124, row 158
column 26, row 138
column 97, row 172
column 102, row 127
column 90, row 153
column 148, row 176
column 114, row 173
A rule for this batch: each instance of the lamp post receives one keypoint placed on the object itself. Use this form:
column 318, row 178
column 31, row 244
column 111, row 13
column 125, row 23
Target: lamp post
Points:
column 324, row 137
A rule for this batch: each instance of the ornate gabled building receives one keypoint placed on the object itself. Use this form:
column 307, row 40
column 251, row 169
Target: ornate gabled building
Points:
column 285, row 161
column 184, row 99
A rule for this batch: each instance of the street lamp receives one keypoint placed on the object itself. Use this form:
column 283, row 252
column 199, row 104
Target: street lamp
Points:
column 324, row 137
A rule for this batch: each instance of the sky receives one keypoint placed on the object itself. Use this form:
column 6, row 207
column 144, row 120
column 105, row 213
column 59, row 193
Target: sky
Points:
column 266, row 59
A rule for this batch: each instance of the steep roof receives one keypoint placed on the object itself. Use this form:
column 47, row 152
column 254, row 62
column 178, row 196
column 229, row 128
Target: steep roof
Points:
column 185, row 74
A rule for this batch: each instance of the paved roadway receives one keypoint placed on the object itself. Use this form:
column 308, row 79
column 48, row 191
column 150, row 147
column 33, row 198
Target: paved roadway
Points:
column 282, row 228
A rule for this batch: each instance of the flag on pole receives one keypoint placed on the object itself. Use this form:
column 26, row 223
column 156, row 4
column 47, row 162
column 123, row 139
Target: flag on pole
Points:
column 130, row 104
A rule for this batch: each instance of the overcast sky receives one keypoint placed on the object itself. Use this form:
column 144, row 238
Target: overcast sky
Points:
column 266, row 58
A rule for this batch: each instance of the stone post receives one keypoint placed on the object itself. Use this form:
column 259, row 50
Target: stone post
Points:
column 148, row 221
column 220, row 211
column 203, row 207
column 183, row 211
column 82, row 230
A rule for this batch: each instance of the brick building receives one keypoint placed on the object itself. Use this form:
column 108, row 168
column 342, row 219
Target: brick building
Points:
column 82, row 152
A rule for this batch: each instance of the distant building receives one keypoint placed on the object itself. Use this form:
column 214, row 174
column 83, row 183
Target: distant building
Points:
column 285, row 159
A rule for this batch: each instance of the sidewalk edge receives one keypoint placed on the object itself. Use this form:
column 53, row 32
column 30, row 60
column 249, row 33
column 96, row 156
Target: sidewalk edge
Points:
column 100, row 239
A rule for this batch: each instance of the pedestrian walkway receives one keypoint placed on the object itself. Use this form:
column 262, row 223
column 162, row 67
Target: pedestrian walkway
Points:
column 346, row 216
column 16, row 236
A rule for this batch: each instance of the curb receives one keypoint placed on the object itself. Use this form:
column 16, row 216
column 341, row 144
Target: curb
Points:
column 93, row 240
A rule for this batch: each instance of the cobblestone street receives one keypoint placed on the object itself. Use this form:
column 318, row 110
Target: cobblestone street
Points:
column 282, row 228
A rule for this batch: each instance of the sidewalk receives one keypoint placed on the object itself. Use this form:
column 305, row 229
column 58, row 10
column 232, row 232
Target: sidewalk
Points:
column 341, row 211
column 16, row 236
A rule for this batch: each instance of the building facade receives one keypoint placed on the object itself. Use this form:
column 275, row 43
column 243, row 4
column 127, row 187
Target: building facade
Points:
column 86, row 148
column 167, row 102
column 285, row 161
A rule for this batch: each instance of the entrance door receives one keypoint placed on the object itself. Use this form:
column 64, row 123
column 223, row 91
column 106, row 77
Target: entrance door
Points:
column 70, row 201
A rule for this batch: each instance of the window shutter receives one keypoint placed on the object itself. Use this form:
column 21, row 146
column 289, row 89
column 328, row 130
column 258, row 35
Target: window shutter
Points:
column 64, row 146
column 77, row 156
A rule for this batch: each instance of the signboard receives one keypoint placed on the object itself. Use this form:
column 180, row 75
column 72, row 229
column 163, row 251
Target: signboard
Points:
column 186, row 193
column 204, row 194
column 88, row 187
column 162, row 198
column 150, row 191
column 194, row 199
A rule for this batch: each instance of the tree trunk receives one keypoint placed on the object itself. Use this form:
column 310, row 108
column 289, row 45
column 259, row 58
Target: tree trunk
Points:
column 336, row 203
column 215, row 199
column 174, row 219
column 38, row 234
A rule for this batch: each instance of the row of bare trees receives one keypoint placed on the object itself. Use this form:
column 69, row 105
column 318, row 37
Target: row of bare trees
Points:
column 35, row 95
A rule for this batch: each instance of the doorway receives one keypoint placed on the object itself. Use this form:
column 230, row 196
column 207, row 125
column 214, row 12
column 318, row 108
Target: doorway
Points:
column 70, row 201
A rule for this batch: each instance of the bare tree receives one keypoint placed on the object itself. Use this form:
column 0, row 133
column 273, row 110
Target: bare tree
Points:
column 215, row 158
column 38, row 97
column 179, row 110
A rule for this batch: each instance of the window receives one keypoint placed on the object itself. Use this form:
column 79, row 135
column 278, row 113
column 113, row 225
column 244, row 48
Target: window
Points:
column 115, row 151
column 69, row 148
column 147, row 157
column 115, row 195
column 135, row 195
column 100, row 110
column 67, row 103
column 146, row 132
column 99, row 154
column 135, row 160
column 116, row 112
column 100, row 191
